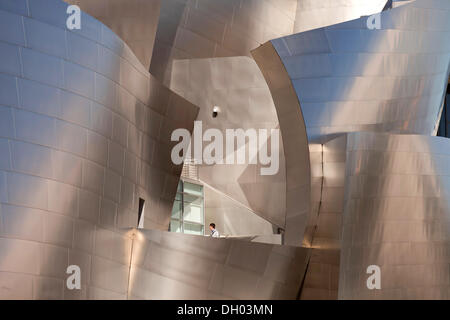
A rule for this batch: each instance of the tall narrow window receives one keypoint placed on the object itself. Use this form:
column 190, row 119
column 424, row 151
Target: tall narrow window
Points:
column 188, row 209
column 141, row 213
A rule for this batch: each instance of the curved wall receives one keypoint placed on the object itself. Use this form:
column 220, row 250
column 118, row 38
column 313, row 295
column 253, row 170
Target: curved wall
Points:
column 236, row 85
column 295, row 143
column 396, row 216
column 341, row 90
column 84, row 133
column 216, row 28
column 196, row 53
column 168, row 265
column 134, row 21
column 349, row 78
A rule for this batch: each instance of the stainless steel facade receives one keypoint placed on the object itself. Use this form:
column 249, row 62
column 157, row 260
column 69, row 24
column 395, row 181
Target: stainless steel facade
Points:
column 85, row 133
column 396, row 216
column 134, row 21
column 224, row 268
column 189, row 34
column 190, row 29
column 238, row 88
column 295, row 142
column 349, row 78
column 324, row 227
column 85, row 136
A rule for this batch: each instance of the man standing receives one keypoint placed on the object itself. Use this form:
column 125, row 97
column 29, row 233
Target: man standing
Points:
column 214, row 232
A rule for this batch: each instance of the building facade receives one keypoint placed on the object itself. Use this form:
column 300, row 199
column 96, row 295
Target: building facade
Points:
column 357, row 90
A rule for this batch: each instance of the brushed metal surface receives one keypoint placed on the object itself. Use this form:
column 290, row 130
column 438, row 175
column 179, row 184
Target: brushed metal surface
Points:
column 238, row 88
column 216, row 28
column 83, row 136
column 134, row 21
column 324, row 226
column 396, row 216
column 225, row 28
column 177, row 266
column 152, row 264
column 349, row 78
column 85, row 131
column 322, row 275
column 295, row 143
column 201, row 29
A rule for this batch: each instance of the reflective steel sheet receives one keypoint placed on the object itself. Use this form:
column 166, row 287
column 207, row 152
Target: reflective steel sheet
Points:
column 349, row 78
column 396, row 216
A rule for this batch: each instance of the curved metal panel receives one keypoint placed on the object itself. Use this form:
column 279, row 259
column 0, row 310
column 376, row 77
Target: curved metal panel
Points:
column 134, row 21
column 313, row 14
column 396, row 216
column 181, row 36
column 224, row 268
column 87, row 135
column 216, row 28
column 349, row 78
column 324, row 227
column 295, row 142
column 341, row 90
column 237, row 86
column 226, row 28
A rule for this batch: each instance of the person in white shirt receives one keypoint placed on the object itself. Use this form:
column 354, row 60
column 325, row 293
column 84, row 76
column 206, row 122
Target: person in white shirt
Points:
column 214, row 232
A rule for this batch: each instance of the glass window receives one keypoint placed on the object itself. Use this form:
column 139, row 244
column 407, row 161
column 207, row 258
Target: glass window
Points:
column 188, row 209
column 193, row 213
column 175, row 226
column 191, row 228
column 194, row 189
column 177, row 209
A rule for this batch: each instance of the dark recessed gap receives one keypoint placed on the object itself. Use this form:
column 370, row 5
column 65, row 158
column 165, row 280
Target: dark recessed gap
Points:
column 140, row 222
column 443, row 129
